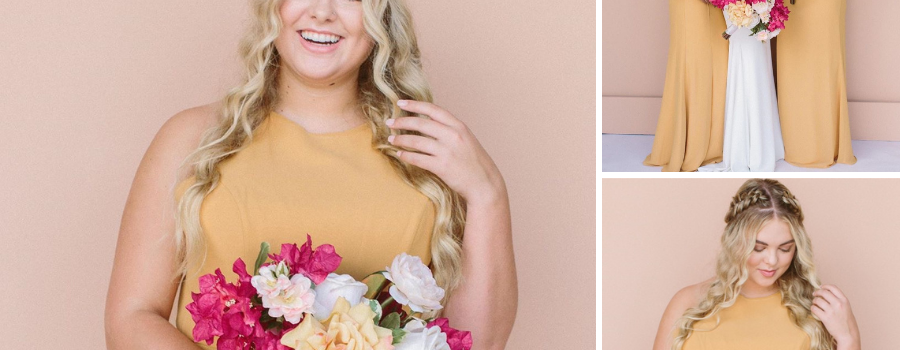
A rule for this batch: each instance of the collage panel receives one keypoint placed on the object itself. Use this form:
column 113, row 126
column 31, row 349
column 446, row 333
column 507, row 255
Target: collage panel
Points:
column 792, row 263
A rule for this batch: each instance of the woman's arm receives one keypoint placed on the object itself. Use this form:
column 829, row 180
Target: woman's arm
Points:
column 685, row 298
column 142, row 288
column 486, row 301
column 832, row 307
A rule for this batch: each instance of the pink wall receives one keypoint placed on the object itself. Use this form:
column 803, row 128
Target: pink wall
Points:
column 86, row 85
column 660, row 235
column 636, row 41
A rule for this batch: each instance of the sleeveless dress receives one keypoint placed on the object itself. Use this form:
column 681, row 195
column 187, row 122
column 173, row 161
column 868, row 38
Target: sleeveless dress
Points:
column 288, row 182
column 812, row 85
column 749, row 324
column 752, row 130
column 690, row 124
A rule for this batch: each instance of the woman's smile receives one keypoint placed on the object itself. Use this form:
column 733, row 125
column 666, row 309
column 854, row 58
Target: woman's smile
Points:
column 319, row 42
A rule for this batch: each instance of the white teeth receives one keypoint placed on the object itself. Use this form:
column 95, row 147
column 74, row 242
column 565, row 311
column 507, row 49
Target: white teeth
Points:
column 320, row 38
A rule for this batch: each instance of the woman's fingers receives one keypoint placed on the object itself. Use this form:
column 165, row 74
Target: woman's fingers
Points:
column 437, row 113
column 836, row 291
column 423, row 161
column 414, row 142
column 425, row 126
column 822, row 305
column 827, row 296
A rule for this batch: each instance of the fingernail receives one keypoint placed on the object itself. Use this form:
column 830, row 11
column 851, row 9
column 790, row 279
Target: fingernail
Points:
column 389, row 122
column 399, row 153
column 402, row 103
column 391, row 139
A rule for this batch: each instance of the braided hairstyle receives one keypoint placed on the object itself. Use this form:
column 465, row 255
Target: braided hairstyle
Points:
column 756, row 203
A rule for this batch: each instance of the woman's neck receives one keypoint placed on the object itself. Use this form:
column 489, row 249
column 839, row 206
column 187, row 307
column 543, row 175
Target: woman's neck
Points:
column 319, row 107
column 752, row 290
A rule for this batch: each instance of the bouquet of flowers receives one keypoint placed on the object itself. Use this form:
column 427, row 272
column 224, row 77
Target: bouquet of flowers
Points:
column 765, row 18
column 294, row 300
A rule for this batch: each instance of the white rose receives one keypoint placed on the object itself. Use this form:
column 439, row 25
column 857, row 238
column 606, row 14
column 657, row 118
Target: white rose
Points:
column 335, row 286
column 418, row 337
column 761, row 7
column 414, row 284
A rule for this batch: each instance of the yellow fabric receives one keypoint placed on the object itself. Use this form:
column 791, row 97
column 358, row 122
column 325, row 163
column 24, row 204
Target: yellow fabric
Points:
column 289, row 182
column 812, row 89
column 690, row 129
column 749, row 324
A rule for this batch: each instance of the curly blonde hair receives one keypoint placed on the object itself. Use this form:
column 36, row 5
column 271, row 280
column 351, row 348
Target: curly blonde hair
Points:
column 757, row 202
column 392, row 71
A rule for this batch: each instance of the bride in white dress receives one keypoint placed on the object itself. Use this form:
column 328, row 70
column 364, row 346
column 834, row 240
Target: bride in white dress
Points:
column 752, row 128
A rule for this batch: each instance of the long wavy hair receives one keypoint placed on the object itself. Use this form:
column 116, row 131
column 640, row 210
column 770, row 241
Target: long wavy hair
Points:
column 757, row 202
column 392, row 71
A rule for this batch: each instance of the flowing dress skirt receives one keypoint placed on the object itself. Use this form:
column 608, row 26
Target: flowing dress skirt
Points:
column 690, row 125
column 812, row 87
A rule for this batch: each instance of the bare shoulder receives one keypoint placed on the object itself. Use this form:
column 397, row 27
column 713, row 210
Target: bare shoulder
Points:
column 189, row 124
column 689, row 296
column 684, row 299
column 180, row 135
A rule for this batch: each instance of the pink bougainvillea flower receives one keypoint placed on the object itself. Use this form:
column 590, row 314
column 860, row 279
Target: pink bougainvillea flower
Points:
column 458, row 340
column 721, row 3
column 314, row 264
column 206, row 311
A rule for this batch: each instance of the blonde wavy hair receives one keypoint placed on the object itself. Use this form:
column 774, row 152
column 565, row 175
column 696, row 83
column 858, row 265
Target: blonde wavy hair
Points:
column 391, row 72
column 757, row 202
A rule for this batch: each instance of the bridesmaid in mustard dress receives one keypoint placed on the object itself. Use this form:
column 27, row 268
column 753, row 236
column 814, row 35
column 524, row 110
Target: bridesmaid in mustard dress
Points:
column 331, row 132
column 812, row 88
column 691, row 122
column 765, row 294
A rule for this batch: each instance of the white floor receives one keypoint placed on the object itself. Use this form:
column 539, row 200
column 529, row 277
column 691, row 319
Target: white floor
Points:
column 627, row 153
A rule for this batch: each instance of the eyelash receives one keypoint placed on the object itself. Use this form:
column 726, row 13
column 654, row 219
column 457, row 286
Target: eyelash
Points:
column 783, row 250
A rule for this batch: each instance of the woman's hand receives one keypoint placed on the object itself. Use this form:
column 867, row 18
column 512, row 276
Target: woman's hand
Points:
column 833, row 309
column 450, row 151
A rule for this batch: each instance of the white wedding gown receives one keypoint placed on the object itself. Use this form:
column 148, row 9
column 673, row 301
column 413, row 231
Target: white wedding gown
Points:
column 752, row 128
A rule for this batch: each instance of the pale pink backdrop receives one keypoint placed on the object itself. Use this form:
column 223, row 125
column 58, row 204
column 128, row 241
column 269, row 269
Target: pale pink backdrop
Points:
column 86, row 84
column 636, row 44
column 660, row 235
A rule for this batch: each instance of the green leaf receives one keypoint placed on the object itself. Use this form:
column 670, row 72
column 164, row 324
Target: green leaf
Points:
column 391, row 321
column 261, row 258
column 376, row 308
column 398, row 335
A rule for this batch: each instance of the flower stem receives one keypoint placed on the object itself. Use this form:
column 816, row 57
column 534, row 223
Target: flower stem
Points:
column 386, row 302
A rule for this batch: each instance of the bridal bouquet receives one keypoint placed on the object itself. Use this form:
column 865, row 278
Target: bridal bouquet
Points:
column 765, row 18
column 294, row 300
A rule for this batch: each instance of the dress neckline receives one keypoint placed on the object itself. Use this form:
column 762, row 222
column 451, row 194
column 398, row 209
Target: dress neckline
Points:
column 356, row 129
column 770, row 296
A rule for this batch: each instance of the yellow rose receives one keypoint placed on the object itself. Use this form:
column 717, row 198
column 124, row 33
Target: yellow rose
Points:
column 740, row 13
column 345, row 329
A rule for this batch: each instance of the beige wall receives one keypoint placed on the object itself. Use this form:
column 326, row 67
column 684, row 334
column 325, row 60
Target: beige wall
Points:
column 86, row 84
column 635, row 45
column 660, row 235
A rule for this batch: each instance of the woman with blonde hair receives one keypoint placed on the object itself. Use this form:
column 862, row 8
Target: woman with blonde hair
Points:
column 765, row 294
column 332, row 133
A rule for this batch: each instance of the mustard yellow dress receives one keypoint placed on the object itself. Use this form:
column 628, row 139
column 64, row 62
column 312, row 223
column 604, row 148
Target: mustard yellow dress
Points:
column 812, row 88
column 749, row 324
column 288, row 182
column 690, row 129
